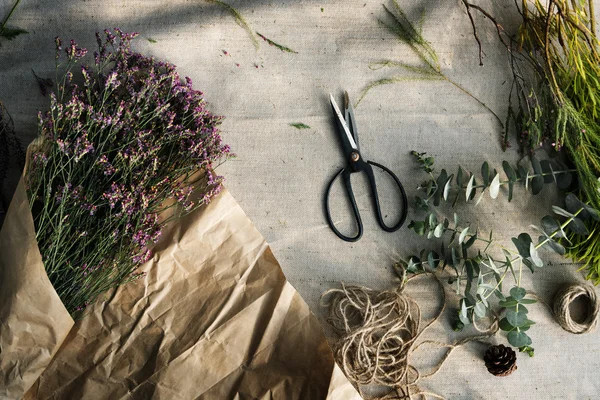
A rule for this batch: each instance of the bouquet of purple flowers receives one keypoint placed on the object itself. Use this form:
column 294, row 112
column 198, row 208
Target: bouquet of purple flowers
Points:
column 126, row 147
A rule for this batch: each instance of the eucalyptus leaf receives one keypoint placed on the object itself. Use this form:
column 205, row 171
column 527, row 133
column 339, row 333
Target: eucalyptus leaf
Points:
column 509, row 171
column 527, row 301
column 491, row 265
column 552, row 227
column 516, row 319
column 561, row 211
column 470, row 242
column 517, row 293
column 537, row 182
column 463, row 235
column 470, row 191
column 535, row 258
column 553, row 245
column 578, row 226
column 485, row 173
column 508, row 303
column 505, row 325
column 447, row 188
column 480, row 310
column 439, row 230
column 440, row 183
column 495, row 186
column 547, row 170
column 522, row 244
column 518, row 339
column 418, row 227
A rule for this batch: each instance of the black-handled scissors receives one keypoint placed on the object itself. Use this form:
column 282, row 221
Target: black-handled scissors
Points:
column 346, row 125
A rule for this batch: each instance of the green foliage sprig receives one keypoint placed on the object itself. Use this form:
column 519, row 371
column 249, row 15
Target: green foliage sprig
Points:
column 555, row 97
column 465, row 184
column 479, row 275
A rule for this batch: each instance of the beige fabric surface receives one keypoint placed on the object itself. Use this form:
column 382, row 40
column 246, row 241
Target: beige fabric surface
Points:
column 280, row 173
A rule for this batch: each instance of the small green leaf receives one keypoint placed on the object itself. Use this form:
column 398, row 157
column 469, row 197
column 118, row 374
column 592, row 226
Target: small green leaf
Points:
column 418, row 227
column 480, row 310
column 551, row 225
column 547, row 170
column 485, row 173
column 447, row 188
column 522, row 244
column 578, row 226
column 495, row 186
column 470, row 188
column 553, row 245
column 527, row 349
column 509, row 171
column 517, row 293
column 537, row 261
column 527, row 301
column 470, row 242
column 562, row 212
column 508, row 303
column 505, row 325
column 537, row 182
column 152, row 40
column 433, row 259
column 440, row 183
column 573, row 204
column 463, row 235
column 518, row 339
column 516, row 319
column 299, row 125
column 491, row 265
column 439, row 230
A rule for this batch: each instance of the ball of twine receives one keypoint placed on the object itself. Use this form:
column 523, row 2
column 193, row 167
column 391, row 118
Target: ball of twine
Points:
column 378, row 335
column 562, row 312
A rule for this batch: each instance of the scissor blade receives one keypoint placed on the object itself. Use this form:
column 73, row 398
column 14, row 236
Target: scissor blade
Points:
column 349, row 116
column 343, row 123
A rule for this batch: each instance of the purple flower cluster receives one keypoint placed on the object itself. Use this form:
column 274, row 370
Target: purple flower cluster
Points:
column 121, row 145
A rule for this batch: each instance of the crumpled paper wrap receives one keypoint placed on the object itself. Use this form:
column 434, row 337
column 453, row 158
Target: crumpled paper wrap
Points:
column 214, row 318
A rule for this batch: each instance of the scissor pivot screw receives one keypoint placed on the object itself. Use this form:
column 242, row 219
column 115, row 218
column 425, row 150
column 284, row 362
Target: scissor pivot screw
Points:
column 354, row 156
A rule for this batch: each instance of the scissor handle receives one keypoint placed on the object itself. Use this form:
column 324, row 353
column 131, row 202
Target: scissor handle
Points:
column 375, row 196
column 346, row 177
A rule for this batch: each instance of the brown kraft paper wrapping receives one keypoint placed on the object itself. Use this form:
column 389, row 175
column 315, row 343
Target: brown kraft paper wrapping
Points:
column 214, row 318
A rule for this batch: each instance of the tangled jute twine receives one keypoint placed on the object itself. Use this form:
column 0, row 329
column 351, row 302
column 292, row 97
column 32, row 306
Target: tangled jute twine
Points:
column 379, row 331
column 562, row 312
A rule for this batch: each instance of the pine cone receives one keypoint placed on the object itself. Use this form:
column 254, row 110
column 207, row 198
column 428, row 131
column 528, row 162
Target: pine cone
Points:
column 500, row 360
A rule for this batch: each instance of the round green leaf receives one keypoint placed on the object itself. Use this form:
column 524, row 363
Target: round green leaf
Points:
column 517, row 293
column 518, row 339
column 516, row 319
column 505, row 325
column 577, row 226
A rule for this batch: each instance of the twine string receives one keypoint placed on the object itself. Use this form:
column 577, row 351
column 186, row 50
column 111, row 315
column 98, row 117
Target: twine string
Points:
column 562, row 312
column 379, row 333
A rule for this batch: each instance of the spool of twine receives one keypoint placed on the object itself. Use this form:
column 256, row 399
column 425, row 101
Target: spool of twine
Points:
column 562, row 311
